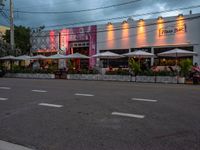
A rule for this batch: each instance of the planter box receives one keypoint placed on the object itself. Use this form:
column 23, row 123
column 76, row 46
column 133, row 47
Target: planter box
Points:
column 82, row 77
column 166, row 79
column 144, row 79
column 125, row 78
column 116, row 78
column 181, row 80
column 149, row 79
column 73, row 76
column 98, row 77
column 30, row 75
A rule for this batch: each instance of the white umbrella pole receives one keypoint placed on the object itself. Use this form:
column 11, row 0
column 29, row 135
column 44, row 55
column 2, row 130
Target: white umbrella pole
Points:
column 139, row 62
column 177, row 67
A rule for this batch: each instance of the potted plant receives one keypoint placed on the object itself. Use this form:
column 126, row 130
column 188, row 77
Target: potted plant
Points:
column 134, row 67
column 185, row 67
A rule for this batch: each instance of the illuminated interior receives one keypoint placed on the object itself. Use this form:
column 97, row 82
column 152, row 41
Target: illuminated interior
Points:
column 180, row 35
column 141, row 34
column 110, row 35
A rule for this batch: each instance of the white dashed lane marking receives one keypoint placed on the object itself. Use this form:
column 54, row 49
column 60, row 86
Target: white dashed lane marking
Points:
column 39, row 91
column 144, row 100
column 87, row 95
column 128, row 115
column 3, row 99
column 50, row 105
column 5, row 88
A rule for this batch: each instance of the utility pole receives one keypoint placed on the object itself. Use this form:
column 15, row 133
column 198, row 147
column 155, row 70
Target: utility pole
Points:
column 12, row 40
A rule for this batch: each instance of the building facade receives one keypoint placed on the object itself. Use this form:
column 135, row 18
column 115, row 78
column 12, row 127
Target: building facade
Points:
column 67, row 41
column 152, row 35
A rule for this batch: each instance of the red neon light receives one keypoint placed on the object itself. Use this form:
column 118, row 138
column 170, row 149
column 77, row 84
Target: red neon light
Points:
column 64, row 39
column 52, row 40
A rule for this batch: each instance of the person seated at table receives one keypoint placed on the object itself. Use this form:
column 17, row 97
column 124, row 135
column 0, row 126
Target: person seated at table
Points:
column 110, row 68
column 155, row 68
column 171, row 69
column 46, row 66
column 196, row 74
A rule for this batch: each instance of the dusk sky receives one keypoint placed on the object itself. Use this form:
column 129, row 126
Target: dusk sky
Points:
column 138, row 7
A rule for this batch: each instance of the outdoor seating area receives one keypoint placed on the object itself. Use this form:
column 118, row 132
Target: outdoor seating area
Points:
column 61, row 65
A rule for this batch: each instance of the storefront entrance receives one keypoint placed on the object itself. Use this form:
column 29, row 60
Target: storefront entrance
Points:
column 82, row 48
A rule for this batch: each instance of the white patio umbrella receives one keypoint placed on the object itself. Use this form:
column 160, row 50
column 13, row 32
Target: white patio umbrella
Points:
column 37, row 57
column 177, row 53
column 108, row 55
column 139, row 54
column 57, row 56
column 8, row 58
column 77, row 56
column 23, row 57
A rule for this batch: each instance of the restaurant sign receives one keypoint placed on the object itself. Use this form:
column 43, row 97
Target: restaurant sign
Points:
column 173, row 30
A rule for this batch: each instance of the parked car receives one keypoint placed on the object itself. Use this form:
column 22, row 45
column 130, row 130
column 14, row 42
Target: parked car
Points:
column 1, row 73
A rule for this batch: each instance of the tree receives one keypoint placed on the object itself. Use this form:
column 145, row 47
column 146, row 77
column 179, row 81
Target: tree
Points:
column 22, row 38
column 134, row 66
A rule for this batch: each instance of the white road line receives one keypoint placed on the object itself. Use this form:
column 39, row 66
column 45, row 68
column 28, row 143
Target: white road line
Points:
column 3, row 99
column 88, row 95
column 128, row 115
column 144, row 100
column 39, row 91
column 5, row 88
column 50, row 105
column 10, row 146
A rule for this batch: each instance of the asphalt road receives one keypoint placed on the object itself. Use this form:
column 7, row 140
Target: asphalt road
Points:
column 95, row 115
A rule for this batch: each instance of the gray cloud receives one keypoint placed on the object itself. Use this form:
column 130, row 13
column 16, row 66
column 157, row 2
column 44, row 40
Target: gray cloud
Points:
column 144, row 6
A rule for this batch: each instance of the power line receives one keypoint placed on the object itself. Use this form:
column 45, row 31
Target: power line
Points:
column 133, row 35
column 75, row 11
column 5, row 16
column 121, row 28
column 121, row 17
column 47, row 5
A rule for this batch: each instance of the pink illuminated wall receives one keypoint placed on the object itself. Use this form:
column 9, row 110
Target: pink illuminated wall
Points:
column 52, row 40
column 80, row 34
column 93, row 45
column 64, row 40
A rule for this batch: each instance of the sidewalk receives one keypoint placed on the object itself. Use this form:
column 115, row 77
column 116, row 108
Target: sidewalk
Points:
column 9, row 146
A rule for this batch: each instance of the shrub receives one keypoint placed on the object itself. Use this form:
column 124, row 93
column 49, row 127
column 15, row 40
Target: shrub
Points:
column 28, row 70
column 134, row 66
column 147, row 72
column 82, row 71
column 164, row 73
column 118, row 72
column 185, row 65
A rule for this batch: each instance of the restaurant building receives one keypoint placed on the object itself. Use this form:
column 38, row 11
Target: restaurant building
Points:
column 66, row 41
column 152, row 35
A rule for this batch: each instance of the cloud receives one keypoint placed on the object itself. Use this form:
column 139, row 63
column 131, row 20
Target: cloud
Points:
column 141, row 7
